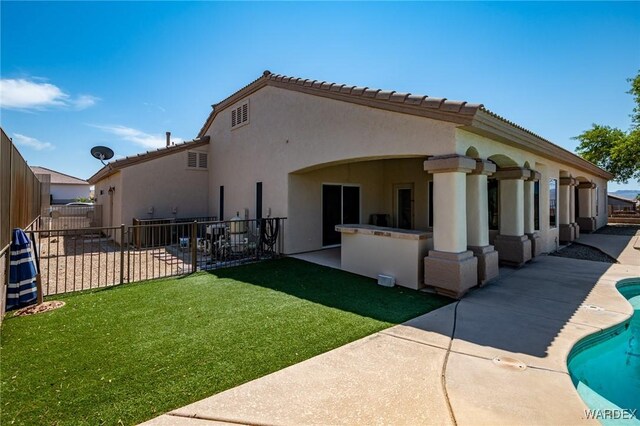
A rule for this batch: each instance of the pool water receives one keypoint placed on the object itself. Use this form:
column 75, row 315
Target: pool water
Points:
column 606, row 368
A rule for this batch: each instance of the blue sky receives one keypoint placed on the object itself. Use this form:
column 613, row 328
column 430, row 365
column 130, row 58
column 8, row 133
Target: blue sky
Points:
column 121, row 74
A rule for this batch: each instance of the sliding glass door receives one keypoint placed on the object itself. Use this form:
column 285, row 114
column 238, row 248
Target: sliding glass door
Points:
column 340, row 205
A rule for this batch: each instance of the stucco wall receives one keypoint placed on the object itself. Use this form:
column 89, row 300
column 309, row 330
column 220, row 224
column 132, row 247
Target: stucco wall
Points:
column 294, row 142
column 504, row 155
column 110, row 216
column 63, row 194
column 165, row 183
column 292, row 132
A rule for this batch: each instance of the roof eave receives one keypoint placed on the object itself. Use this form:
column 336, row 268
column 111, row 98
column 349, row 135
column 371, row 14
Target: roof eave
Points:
column 458, row 112
column 487, row 123
column 117, row 165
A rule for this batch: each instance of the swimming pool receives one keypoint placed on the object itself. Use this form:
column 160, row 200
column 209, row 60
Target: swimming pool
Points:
column 605, row 368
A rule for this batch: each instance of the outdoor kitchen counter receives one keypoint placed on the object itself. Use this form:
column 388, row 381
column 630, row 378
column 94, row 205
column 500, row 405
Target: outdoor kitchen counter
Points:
column 373, row 250
column 407, row 234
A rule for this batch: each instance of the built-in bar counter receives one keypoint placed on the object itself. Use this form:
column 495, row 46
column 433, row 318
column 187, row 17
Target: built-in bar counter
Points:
column 373, row 250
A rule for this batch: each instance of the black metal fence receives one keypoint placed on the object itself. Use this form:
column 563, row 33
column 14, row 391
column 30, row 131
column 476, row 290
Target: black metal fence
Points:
column 86, row 258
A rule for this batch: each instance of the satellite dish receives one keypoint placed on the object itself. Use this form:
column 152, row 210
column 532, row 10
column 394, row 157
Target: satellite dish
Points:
column 102, row 153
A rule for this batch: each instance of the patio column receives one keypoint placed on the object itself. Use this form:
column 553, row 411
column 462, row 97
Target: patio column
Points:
column 450, row 268
column 572, row 206
column 529, row 213
column 478, row 221
column 567, row 232
column 513, row 246
column 586, row 215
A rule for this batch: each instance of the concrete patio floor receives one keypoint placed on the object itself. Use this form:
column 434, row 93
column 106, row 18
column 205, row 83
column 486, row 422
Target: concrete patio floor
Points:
column 327, row 257
column 496, row 357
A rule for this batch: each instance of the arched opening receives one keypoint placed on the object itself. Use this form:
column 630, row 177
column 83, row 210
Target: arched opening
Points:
column 472, row 152
column 503, row 161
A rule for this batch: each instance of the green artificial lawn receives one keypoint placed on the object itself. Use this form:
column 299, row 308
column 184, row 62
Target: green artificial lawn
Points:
column 129, row 353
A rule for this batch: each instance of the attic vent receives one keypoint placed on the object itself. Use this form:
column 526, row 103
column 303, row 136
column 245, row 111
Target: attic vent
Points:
column 197, row 160
column 192, row 159
column 240, row 115
column 202, row 160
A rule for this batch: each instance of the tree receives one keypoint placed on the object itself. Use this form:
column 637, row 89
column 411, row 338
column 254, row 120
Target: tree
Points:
column 613, row 149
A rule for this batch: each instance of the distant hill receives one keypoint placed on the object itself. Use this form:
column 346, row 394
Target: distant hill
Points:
column 626, row 193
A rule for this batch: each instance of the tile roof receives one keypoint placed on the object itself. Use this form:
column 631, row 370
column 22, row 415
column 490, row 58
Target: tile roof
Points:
column 443, row 104
column 121, row 163
column 473, row 117
column 58, row 178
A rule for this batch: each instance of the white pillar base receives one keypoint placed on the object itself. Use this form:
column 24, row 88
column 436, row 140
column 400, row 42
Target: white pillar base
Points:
column 451, row 274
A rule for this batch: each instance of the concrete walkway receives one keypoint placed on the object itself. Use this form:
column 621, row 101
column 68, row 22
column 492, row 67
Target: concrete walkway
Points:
column 496, row 357
column 617, row 246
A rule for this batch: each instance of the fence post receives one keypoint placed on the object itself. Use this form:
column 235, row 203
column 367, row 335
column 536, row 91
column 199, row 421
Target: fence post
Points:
column 122, row 253
column 194, row 246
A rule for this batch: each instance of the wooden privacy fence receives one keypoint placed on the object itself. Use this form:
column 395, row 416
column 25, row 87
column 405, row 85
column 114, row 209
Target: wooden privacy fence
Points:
column 20, row 192
column 87, row 258
column 20, row 202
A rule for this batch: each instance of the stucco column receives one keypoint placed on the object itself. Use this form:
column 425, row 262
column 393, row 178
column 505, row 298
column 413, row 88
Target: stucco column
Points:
column 450, row 268
column 478, row 221
column 586, row 215
column 567, row 232
column 529, row 213
column 572, row 214
column 513, row 246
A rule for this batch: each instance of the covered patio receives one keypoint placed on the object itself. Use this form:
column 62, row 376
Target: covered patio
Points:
column 467, row 214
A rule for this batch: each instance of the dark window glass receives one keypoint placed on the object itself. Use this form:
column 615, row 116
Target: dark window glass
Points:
column 536, row 206
column 553, row 203
column 350, row 205
column 221, row 203
column 259, row 200
column 493, row 193
column 331, row 214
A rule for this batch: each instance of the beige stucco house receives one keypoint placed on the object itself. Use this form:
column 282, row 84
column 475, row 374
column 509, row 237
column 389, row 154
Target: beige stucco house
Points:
column 434, row 192
column 171, row 182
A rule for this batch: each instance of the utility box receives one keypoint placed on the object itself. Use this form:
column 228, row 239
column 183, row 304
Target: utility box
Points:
column 386, row 280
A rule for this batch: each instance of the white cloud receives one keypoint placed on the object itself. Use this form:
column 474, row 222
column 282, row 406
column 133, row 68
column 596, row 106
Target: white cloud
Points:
column 25, row 94
column 138, row 137
column 84, row 101
column 30, row 142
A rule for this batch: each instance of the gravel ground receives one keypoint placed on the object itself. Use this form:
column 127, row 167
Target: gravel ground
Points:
column 620, row 229
column 582, row 252
column 70, row 263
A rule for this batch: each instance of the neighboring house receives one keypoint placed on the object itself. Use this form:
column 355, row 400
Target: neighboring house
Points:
column 64, row 188
column 616, row 203
column 171, row 182
column 466, row 187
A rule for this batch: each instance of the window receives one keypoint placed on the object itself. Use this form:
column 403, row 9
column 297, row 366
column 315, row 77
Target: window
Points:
column 597, row 201
column 536, row 205
column 553, row 203
column 197, row 160
column 493, row 193
column 240, row 115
